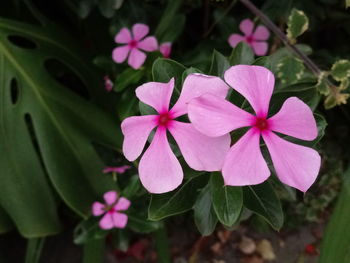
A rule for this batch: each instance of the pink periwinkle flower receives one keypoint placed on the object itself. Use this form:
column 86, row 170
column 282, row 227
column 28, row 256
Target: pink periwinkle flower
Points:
column 295, row 165
column 159, row 170
column 256, row 39
column 134, row 43
column 116, row 169
column 165, row 49
column 108, row 83
column 111, row 210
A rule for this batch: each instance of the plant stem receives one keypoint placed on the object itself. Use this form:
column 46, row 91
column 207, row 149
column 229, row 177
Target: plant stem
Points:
column 162, row 245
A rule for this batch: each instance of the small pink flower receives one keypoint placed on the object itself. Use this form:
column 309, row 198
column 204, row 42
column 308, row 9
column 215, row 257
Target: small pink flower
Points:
column 256, row 39
column 244, row 164
column 134, row 43
column 111, row 210
column 159, row 170
column 108, row 83
column 116, row 169
column 165, row 49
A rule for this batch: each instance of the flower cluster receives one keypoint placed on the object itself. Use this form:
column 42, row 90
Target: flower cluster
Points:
column 205, row 142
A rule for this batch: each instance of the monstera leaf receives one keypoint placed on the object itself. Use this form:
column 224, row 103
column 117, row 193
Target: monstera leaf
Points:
column 47, row 130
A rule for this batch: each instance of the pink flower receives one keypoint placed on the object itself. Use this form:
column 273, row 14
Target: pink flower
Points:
column 295, row 165
column 108, row 83
column 256, row 39
column 165, row 49
column 159, row 170
column 111, row 210
column 116, row 169
column 134, row 43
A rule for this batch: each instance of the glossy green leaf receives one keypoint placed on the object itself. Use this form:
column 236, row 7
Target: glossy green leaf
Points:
column 88, row 230
column 48, row 129
column 219, row 64
column 139, row 223
column 227, row 200
column 262, row 200
column 241, row 54
column 132, row 188
column 290, row 70
column 127, row 78
column 204, row 214
column 264, row 62
column 298, row 23
column 178, row 201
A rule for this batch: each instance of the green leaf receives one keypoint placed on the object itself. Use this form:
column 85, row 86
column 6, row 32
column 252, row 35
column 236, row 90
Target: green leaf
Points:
column 5, row 221
column 341, row 70
column 140, row 224
column 347, row 3
column 227, row 200
column 127, row 104
column 322, row 85
column 34, row 249
column 48, row 129
column 241, row 54
column 290, row 70
column 177, row 201
column 335, row 245
column 264, row 62
column 127, row 78
column 132, row 188
column 298, row 23
column 189, row 71
column 219, row 64
column 88, row 230
column 262, row 200
column 94, row 251
column 204, row 214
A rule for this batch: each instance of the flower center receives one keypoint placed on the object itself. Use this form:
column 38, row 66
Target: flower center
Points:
column 164, row 119
column 261, row 123
column 111, row 210
column 250, row 39
column 132, row 44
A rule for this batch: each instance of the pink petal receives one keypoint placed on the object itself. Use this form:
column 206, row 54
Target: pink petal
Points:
column 148, row 44
column 123, row 36
column 106, row 221
column 246, row 26
column 196, row 85
column 122, row 204
column 122, row 169
column 255, row 83
column 202, row 153
column 244, row 163
column 215, row 116
column 98, row 209
column 110, row 197
column 234, row 39
column 261, row 33
column 120, row 53
column 165, row 49
column 119, row 220
column 139, row 31
column 295, row 165
column 295, row 119
column 260, row 48
column 159, row 170
column 136, row 58
column 156, row 94
column 136, row 131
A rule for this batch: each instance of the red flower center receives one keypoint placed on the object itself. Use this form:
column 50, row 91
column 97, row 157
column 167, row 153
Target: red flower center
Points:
column 261, row 123
column 164, row 119
column 132, row 43
column 111, row 210
column 250, row 39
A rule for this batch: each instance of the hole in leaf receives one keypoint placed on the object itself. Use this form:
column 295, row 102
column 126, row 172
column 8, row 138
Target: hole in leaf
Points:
column 22, row 42
column 65, row 76
column 14, row 91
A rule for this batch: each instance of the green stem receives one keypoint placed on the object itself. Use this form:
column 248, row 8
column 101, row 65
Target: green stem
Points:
column 162, row 245
column 34, row 248
column 94, row 251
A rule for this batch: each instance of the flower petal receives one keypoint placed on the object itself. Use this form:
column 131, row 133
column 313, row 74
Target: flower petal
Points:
column 122, row 204
column 165, row 49
column 159, row 170
column 246, row 26
column 110, row 197
column 261, row 33
column 120, row 54
column 295, row 119
column 136, row 131
column 215, row 116
column 196, row 85
column 255, row 83
column 119, row 220
column 106, row 221
column 148, row 44
column 156, row 94
column 295, row 165
column 136, row 58
column 260, row 48
column 122, row 169
column 123, row 36
column 139, row 31
column 202, row 153
column 244, row 163
column 98, row 209
column 234, row 39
